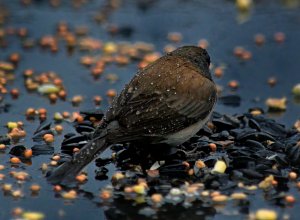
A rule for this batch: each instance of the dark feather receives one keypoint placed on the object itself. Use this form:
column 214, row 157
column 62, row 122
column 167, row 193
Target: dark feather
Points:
column 167, row 106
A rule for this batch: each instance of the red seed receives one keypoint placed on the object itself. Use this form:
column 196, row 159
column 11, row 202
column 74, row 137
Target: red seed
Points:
column 62, row 94
column 14, row 93
column 293, row 175
column 279, row 37
column 14, row 58
column 203, row 43
column 15, row 160
column 272, row 81
column 259, row 39
column 48, row 138
column 111, row 93
column 2, row 147
column 97, row 100
column 59, row 128
column 42, row 111
column 35, row 188
column 28, row 72
column 219, row 72
column 233, row 84
column 238, row 51
column 213, row 147
column 247, row 55
column 53, row 97
column 290, row 199
column 28, row 153
column 57, row 188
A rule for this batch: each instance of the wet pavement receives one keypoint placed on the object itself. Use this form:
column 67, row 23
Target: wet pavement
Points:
column 219, row 22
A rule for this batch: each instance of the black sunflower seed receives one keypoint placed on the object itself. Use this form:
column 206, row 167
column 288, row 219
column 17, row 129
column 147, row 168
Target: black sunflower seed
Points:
column 17, row 150
column 39, row 149
column 254, row 124
column 84, row 129
column 96, row 113
column 222, row 125
column 250, row 173
column 258, row 136
column 74, row 139
column 38, row 135
column 44, row 126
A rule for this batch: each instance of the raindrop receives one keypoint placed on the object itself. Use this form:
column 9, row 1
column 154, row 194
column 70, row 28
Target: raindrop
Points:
column 130, row 89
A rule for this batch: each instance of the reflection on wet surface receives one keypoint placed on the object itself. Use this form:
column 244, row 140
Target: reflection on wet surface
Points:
column 220, row 23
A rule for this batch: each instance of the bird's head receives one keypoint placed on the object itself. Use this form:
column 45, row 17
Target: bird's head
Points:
column 197, row 55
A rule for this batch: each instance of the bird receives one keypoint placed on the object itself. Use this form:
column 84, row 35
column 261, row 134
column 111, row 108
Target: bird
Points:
column 167, row 102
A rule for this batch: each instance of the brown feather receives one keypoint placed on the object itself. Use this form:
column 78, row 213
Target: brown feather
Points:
column 166, row 106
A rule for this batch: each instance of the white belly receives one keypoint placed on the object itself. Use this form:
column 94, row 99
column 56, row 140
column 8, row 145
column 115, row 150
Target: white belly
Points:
column 186, row 133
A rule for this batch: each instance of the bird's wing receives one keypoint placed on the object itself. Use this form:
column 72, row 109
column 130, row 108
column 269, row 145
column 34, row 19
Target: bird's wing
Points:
column 181, row 98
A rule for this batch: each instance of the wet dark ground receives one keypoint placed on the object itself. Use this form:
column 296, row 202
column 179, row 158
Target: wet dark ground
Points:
column 217, row 21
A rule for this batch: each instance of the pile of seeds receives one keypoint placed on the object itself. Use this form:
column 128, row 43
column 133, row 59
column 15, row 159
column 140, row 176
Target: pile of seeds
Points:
column 49, row 84
column 228, row 160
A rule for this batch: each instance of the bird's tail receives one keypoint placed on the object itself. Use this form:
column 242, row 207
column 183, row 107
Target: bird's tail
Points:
column 66, row 173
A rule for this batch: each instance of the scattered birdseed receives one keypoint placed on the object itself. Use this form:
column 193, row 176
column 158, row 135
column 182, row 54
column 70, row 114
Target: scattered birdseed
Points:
column 156, row 198
column 17, row 193
column 33, row 215
column 105, row 194
column 117, row 176
column 238, row 196
column 70, row 195
column 2, row 147
column 296, row 90
column 220, row 167
column 28, row 153
column 2, row 167
column 219, row 198
column 244, row 5
column 175, row 37
column 15, row 160
column 293, row 175
column 266, row 183
column 233, row 84
column 279, row 37
column 59, row 128
column 139, row 189
column 275, row 104
column 203, row 43
column 272, row 81
column 17, row 211
column 259, row 39
column 265, row 214
column 35, row 188
column 44, row 167
column 7, row 187
column 290, row 199
column 48, row 138
column 81, row 178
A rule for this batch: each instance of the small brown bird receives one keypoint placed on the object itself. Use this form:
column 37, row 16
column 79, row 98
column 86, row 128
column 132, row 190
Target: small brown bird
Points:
column 166, row 102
